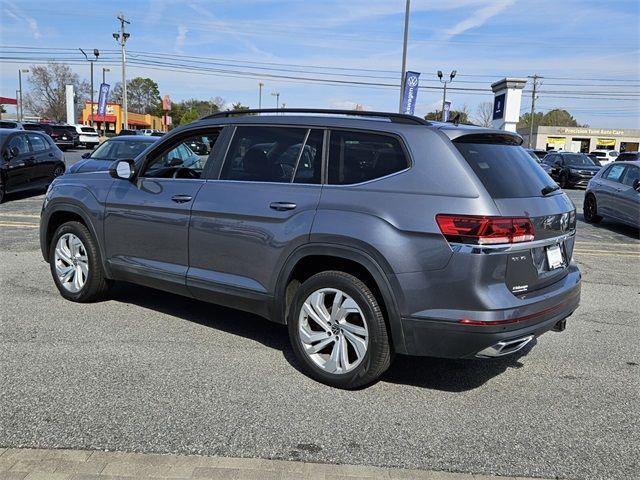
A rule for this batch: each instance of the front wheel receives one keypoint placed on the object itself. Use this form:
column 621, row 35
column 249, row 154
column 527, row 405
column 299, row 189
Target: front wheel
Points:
column 75, row 264
column 590, row 209
column 338, row 332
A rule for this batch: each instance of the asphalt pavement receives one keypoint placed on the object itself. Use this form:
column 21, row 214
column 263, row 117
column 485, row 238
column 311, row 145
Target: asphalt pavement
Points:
column 147, row 371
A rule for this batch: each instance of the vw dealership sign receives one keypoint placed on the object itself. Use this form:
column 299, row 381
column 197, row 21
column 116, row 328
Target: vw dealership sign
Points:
column 410, row 92
column 102, row 99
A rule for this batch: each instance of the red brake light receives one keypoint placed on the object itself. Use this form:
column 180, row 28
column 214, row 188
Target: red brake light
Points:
column 483, row 230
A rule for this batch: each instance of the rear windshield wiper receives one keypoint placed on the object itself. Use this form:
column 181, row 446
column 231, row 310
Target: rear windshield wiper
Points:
column 550, row 188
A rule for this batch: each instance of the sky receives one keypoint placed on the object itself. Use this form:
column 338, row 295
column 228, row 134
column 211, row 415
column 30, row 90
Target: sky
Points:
column 339, row 53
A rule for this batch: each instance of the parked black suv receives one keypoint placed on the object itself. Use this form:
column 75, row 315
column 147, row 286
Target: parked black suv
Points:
column 367, row 233
column 571, row 169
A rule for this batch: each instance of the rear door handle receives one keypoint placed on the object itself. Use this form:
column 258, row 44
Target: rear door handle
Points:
column 182, row 198
column 282, row 206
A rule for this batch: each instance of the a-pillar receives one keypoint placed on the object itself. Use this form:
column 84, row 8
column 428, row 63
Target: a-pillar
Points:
column 506, row 103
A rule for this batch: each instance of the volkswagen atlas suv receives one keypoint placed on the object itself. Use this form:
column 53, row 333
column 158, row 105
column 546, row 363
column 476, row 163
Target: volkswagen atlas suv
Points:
column 368, row 234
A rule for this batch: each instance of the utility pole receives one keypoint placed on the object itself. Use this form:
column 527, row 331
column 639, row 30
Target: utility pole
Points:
column 260, row 85
column 404, row 54
column 277, row 95
column 122, row 38
column 533, row 107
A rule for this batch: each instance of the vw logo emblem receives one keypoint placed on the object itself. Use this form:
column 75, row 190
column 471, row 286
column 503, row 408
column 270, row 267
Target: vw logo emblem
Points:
column 564, row 222
column 412, row 81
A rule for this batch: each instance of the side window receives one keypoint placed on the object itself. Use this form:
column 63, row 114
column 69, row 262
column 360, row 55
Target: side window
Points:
column 20, row 142
column 272, row 154
column 632, row 175
column 615, row 173
column 185, row 159
column 356, row 157
column 38, row 143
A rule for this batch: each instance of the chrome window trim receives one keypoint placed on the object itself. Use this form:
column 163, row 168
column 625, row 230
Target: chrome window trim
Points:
column 507, row 248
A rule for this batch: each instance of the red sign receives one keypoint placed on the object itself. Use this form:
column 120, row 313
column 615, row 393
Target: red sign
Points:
column 166, row 103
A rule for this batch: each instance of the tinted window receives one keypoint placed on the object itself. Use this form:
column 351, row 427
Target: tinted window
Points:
column 20, row 142
column 631, row 175
column 87, row 129
column 185, row 159
column 119, row 150
column 614, row 173
column 506, row 171
column 8, row 125
column 356, row 157
column 268, row 154
column 38, row 143
column 578, row 160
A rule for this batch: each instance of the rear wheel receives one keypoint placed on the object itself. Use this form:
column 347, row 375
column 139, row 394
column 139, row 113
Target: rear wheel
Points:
column 338, row 332
column 75, row 264
column 590, row 209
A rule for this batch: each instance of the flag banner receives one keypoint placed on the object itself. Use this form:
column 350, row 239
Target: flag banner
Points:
column 410, row 92
column 447, row 109
column 102, row 99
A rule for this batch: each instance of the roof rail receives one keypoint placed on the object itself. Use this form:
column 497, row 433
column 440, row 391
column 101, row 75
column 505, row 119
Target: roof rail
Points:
column 393, row 117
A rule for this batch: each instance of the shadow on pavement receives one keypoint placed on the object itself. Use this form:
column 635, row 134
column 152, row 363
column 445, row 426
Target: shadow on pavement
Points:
column 432, row 373
column 614, row 227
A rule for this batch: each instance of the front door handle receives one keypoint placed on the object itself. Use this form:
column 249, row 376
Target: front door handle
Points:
column 282, row 206
column 182, row 198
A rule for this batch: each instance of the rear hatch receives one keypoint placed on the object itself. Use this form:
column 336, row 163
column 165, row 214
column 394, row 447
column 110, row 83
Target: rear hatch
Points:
column 538, row 254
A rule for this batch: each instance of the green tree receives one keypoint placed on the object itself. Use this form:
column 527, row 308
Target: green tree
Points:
column 143, row 96
column 553, row 118
column 462, row 115
column 47, row 95
column 239, row 106
column 189, row 116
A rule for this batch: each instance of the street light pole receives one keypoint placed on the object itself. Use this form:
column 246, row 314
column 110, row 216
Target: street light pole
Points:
column 277, row 95
column 96, row 53
column 103, row 76
column 404, row 54
column 444, row 93
column 20, row 109
column 260, row 85
column 122, row 38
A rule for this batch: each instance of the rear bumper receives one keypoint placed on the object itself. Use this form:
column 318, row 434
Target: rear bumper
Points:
column 442, row 335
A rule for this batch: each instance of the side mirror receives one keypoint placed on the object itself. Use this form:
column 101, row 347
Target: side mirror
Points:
column 86, row 155
column 636, row 185
column 122, row 169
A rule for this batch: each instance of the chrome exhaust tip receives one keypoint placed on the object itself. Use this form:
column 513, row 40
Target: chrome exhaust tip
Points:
column 505, row 347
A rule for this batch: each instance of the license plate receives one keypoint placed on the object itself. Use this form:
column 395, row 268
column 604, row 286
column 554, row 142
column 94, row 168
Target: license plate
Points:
column 554, row 257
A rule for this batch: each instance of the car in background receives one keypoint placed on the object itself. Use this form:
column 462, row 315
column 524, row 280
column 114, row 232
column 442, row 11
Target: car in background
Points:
column 594, row 157
column 614, row 193
column 29, row 160
column 62, row 137
column 129, row 132
column 11, row 124
column 605, row 156
column 38, row 127
column 628, row 156
column 570, row 169
column 115, row 148
column 149, row 131
column 537, row 155
column 88, row 137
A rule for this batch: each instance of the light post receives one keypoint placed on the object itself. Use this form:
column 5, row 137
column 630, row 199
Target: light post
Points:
column 20, row 110
column 96, row 53
column 277, row 95
column 103, row 72
column 122, row 38
column 444, row 93
column 404, row 53
column 260, row 85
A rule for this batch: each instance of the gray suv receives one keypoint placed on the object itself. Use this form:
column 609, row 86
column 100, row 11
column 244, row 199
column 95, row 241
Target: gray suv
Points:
column 369, row 234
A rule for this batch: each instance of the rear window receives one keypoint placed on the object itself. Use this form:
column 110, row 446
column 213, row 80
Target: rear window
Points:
column 87, row 129
column 505, row 170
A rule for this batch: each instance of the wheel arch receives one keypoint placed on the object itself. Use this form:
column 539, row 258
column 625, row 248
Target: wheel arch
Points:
column 311, row 259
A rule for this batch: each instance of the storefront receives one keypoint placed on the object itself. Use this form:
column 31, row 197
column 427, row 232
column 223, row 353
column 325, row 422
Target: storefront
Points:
column 111, row 121
column 582, row 139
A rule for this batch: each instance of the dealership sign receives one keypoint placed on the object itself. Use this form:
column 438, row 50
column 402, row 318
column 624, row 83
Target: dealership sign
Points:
column 410, row 92
column 102, row 99
column 498, row 107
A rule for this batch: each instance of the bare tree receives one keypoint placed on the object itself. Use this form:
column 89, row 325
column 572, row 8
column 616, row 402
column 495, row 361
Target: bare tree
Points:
column 484, row 114
column 46, row 97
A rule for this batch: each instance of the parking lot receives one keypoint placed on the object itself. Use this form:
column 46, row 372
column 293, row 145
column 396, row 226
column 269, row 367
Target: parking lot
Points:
column 147, row 371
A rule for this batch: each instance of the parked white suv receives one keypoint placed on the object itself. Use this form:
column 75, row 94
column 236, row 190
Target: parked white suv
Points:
column 605, row 157
column 88, row 136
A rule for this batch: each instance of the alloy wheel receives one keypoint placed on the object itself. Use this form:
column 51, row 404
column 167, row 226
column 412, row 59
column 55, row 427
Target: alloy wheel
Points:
column 333, row 331
column 71, row 262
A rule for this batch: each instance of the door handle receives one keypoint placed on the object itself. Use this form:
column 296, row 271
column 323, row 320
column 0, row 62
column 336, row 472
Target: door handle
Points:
column 51, row 154
column 282, row 206
column 182, row 198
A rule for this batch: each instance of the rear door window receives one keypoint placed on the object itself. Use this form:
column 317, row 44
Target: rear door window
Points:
column 356, row 157
column 614, row 173
column 631, row 176
column 38, row 143
column 504, row 168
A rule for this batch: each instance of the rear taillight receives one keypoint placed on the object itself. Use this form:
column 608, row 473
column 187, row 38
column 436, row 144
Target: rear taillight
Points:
column 485, row 230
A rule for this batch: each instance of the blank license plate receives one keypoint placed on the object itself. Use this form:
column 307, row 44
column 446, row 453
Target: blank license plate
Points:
column 554, row 257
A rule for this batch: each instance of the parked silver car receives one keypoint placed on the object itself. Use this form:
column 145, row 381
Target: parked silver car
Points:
column 614, row 193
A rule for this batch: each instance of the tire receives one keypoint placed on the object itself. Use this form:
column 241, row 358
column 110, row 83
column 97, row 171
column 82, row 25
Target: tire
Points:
column 77, row 248
column 364, row 346
column 590, row 210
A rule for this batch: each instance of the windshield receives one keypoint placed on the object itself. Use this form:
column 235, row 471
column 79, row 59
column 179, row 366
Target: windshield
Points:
column 579, row 159
column 120, row 149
